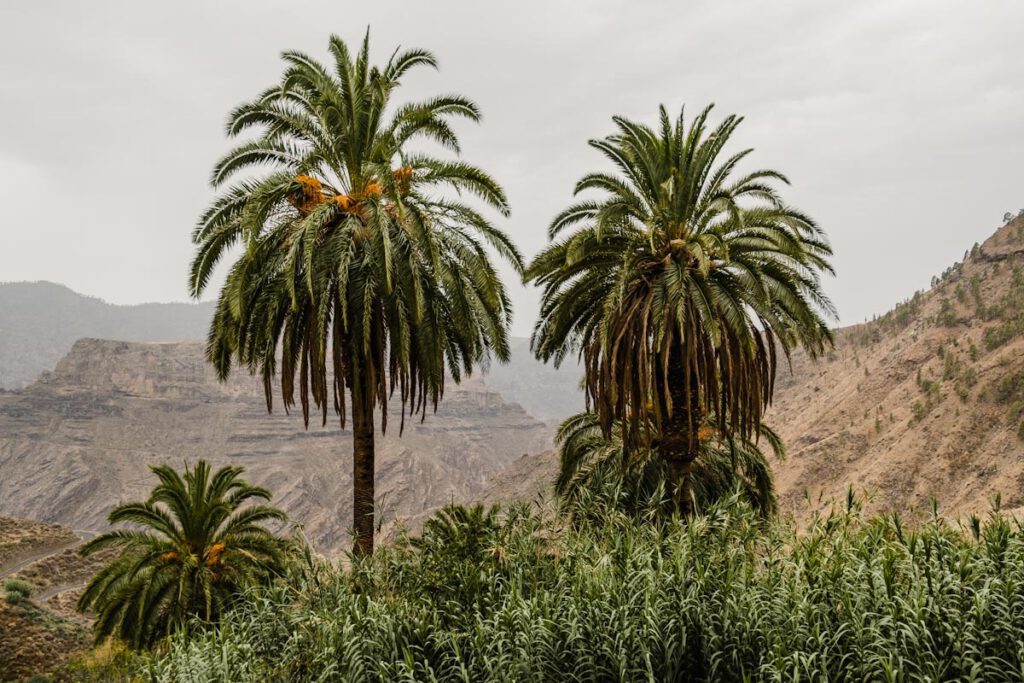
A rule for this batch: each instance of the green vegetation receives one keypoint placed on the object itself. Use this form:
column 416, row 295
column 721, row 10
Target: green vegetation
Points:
column 1009, row 311
column 1008, row 390
column 17, row 591
column 997, row 336
column 947, row 316
column 193, row 546
column 963, row 375
column 359, row 253
column 726, row 596
column 889, row 323
column 598, row 472
column 932, row 397
column 676, row 287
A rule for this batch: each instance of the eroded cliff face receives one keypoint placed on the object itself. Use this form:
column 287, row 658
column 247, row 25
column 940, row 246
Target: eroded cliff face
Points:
column 81, row 439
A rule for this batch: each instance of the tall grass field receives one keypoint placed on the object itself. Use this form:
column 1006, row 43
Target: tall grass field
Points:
column 483, row 596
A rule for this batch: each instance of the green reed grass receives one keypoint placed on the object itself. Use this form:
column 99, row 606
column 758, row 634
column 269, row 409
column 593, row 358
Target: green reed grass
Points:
column 727, row 597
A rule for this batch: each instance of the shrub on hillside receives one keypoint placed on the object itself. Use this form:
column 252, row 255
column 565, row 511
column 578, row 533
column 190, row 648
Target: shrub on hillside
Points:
column 1010, row 311
column 1008, row 388
column 17, row 591
column 947, row 314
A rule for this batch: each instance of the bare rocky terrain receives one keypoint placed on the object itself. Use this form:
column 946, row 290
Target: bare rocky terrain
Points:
column 925, row 401
column 81, row 439
column 24, row 540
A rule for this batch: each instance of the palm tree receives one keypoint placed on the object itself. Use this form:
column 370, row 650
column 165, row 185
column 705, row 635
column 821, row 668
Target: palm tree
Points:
column 192, row 548
column 678, row 286
column 598, row 467
column 358, row 252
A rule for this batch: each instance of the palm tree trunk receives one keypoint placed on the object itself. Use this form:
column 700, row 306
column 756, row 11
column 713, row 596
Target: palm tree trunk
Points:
column 679, row 443
column 362, row 477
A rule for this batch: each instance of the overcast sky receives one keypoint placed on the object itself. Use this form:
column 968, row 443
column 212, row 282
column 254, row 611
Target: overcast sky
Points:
column 900, row 124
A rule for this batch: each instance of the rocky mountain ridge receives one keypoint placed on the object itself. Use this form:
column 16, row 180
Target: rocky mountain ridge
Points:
column 39, row 322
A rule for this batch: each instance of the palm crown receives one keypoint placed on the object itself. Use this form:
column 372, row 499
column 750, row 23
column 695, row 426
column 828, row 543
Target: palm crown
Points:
column 194, row 545
column 679, row 283
column 358, row 253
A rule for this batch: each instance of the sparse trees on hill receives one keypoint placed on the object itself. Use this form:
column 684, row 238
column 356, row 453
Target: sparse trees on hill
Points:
column 189, row 551
column 362, row 273
column 679, row 286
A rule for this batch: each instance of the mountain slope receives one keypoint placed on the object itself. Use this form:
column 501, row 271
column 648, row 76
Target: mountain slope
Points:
column 927, row 400
column 81, row 439
column 39, row 321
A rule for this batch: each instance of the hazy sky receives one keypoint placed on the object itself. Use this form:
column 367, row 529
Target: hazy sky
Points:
column 900, row 124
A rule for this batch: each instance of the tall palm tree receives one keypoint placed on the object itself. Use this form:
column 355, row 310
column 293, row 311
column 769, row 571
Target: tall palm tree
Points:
column 192, row 547
column 678, row 285
column 594, row 466
column 359, row 255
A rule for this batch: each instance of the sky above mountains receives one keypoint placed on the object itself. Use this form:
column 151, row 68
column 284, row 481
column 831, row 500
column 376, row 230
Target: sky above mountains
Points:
column 899, row 123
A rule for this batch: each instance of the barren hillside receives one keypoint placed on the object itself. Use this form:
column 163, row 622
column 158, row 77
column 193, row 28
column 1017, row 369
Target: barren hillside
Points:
column 81, row 438
column 39, row 633
column 927, row 400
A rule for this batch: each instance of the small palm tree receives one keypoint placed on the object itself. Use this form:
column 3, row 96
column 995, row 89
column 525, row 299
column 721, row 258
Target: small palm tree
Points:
column 594, row 467
column 193, row 546
column 359, row 255
column 678, row 288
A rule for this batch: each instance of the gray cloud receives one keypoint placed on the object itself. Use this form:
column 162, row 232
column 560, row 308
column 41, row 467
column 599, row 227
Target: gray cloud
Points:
column 900, row 123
